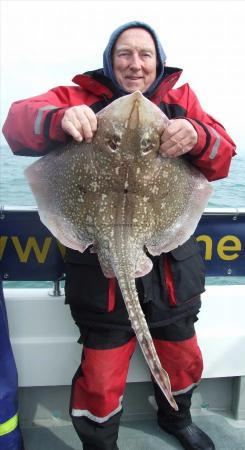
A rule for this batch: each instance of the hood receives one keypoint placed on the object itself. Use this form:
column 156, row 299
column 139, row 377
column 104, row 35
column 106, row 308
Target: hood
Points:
column 107, row 56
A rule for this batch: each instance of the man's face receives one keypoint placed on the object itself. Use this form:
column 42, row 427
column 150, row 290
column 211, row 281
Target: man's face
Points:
column 134, row 60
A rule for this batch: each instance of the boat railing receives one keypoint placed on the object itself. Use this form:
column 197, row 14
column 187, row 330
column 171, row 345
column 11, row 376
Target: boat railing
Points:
column 28, row 251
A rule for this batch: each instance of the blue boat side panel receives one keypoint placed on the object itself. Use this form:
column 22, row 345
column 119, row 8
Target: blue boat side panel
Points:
column 222, row 241
column 28, row 251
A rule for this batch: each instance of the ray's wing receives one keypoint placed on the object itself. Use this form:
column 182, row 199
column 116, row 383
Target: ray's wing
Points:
column 182, row 197
column 57, row 181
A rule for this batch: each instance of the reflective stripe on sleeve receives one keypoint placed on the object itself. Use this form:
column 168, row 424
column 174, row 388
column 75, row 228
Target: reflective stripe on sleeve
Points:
column 216, row 145
column 9, row 426
column 37, row 124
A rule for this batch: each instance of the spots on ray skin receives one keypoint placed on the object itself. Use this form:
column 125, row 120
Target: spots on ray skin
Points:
column 90, row 230
column 89, row 219
column 155, row 189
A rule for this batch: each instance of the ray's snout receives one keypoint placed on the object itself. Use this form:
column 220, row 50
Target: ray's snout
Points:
column 134, row 116
column 133, row 120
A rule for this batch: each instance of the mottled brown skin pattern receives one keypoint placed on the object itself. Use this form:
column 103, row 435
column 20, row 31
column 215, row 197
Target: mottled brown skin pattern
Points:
column 119, row 194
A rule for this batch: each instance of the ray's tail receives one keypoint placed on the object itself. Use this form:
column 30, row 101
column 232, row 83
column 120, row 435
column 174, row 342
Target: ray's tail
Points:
column 128, row 288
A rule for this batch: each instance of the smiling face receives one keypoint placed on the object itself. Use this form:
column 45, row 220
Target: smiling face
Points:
column 134, row 60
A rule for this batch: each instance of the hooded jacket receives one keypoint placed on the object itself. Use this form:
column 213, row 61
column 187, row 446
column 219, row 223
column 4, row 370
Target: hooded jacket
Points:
column 33, row 126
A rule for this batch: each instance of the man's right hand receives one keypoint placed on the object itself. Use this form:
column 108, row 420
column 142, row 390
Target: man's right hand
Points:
column 80, row 122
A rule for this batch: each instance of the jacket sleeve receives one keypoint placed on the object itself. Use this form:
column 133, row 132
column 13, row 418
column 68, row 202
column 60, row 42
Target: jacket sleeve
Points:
column 32, row 127
column 214, row 149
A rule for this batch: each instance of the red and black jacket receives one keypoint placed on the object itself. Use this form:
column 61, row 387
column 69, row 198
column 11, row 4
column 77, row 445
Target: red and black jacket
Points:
column 32, row 127
column 171, row 290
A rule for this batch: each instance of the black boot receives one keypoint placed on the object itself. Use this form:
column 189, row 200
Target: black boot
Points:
column 179, row 423
column 192, row 438
column 97, row 436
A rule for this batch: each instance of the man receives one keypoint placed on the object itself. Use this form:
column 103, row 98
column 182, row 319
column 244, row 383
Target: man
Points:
column 170, row 295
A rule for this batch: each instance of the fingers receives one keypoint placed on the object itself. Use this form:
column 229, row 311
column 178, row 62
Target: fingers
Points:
column 80, row 122
column 178, row 138
column 71, row 129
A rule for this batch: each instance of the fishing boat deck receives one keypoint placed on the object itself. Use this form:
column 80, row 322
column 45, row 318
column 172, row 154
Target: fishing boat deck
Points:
column 46, row 424
column 227, row 434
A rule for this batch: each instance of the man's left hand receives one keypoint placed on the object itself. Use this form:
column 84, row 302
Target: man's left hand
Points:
column 178, row 138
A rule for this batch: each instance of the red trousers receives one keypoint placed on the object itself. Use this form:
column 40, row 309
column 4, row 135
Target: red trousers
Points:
column 99, row 383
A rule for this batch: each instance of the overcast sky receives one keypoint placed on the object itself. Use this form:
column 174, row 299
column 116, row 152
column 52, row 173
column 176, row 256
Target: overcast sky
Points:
column 45, row 43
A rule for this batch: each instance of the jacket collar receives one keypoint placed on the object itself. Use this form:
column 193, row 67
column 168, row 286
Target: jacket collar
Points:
column 97, row 83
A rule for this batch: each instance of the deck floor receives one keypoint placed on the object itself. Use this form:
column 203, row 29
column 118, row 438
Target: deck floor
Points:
column 227, row 434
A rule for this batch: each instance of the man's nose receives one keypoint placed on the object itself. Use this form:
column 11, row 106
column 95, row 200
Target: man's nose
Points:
column 135, row 61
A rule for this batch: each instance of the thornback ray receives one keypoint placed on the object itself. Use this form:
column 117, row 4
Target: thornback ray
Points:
column 121, row 196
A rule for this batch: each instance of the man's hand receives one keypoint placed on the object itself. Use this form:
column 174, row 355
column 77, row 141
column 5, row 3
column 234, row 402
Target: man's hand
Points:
column 178, row 138
column 80, row 122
